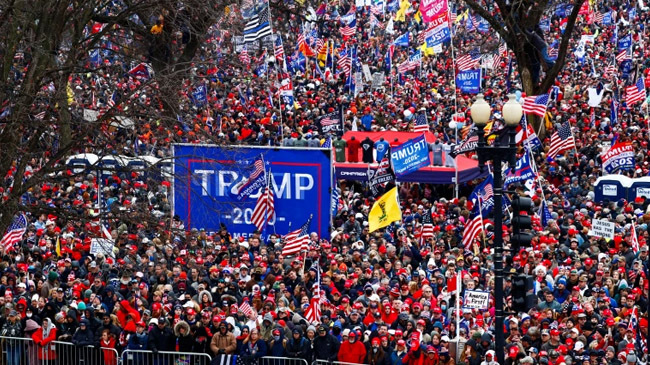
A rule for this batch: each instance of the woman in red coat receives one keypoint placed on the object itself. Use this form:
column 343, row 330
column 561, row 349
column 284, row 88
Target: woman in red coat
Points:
column 107, row 344
column 43, row 338
column 352, row 350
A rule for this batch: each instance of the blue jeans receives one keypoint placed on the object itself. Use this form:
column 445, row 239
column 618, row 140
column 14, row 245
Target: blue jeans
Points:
column 13, row 355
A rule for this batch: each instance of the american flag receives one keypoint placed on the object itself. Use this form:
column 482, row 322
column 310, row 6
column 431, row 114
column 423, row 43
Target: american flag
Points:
column 553, row 52
column 535, row 104
column 472, row 231
column 375, row 9
column 486, row 192
column 492, row 62
column 421, row 124
column 279, row 48
column 598, row 17
column 407, row 66
column 623, row 55
column 244, row 57
column 112, row 100
column 503, row 49
column 561, row 140
column 245, row 308
column 427, row 226
column 14, row 233
column 350, row 29
column 344, row 62
column 635, row 92
column 469, row 61
column 296, row 240
column 611, row 70
column 265, row 207
column 312, row 315
column 452, row 17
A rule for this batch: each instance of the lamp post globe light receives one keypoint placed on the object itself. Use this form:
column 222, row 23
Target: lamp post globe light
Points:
column 497, row 153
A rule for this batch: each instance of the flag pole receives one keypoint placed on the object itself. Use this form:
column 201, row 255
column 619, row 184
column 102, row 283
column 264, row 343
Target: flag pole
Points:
column 459, row 283
column 453, row 64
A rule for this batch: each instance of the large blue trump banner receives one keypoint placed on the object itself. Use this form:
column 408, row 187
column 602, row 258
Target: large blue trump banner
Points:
column 208, row 179
column 410, row 156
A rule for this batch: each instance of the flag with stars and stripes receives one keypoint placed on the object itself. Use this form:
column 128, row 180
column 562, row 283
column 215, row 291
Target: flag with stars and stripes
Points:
column 312, row 315
column 535, row 105
column 421, row 123
column 635, row 92
column 426, row 231
column 561, row 140
column 278, row 48
column 258, row 27
column 14, row 233
column 265, row 207
column 297, row 240
column 469, row 61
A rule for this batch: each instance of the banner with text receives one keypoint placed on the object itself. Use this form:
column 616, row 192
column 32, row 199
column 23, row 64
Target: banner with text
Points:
column 430, row 9
column 205, row 175
column 619, row 157
column 469, row 81
column 410, row 156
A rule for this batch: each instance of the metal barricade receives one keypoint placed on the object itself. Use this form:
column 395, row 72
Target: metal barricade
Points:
column 140, row 357
column 18, row 351
column 23, row 351
column 325, row 362
column 274, row 360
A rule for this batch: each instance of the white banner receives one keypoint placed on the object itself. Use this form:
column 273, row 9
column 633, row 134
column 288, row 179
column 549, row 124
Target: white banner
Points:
column 602, row 228
column 475, row 299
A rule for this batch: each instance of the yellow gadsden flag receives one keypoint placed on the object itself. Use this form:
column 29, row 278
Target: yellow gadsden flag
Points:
column 385, row 211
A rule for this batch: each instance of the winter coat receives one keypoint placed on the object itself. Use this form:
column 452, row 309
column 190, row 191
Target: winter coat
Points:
column 110, row 357
column 12, row 330
column 225, row 342
column 352, row 352
column 251, row 353
column 138, row 342
column 277, row 348
column 161, row 340
column 326, row 347
column 298, row 348
column 43, row 338
column 185, row 342
column 83, row 337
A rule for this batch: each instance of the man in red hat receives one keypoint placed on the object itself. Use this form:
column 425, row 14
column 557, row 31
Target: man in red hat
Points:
column 352, row 351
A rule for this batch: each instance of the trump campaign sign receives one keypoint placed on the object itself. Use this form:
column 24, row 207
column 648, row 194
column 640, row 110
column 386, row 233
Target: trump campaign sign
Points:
column 432, row 8
column 207, row 183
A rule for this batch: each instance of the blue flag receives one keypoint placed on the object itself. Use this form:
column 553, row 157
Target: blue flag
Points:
column 624, row 43
column 253, row 178
column 469, row 81
column 402, row 40
column 613, row 117
column 523, row 171
column 200, row 95
column 544, row 214
column 483, row 197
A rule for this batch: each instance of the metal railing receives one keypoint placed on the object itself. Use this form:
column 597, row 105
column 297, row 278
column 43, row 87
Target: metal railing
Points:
column 276, row 360
column 23, row 351
column 141, row 357
column 325, row 362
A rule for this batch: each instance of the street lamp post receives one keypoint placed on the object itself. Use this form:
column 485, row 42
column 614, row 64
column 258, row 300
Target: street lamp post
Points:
column 497, row 153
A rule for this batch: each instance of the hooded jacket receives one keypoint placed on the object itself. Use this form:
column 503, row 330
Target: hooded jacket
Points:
column 43, row 337
column 83, row 337
column 226, row 342
column 186, row 342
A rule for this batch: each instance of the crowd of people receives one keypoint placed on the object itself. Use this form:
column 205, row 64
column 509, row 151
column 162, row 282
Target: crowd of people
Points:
column 386, row 295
